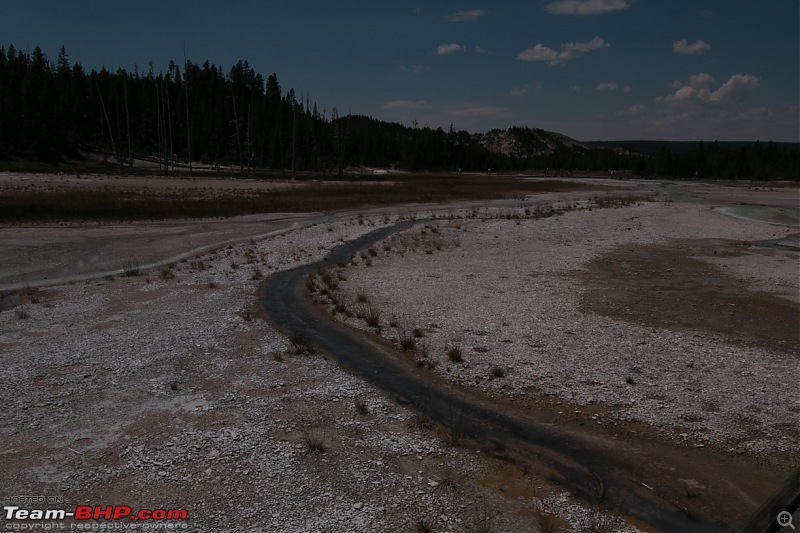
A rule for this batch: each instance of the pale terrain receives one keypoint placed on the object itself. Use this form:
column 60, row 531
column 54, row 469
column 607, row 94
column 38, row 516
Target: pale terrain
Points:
column 167, row 389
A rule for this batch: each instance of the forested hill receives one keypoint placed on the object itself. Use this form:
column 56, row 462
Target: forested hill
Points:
column 54, row 111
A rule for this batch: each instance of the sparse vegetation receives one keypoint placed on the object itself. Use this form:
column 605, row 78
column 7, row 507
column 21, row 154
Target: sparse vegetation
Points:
column 423, row 526
column 497, row 372
column 372, row 316
column 408, row 343
column 446, row 484
column 131, row 269
column 301, row 344
column 455, row 354
column 361, row 406
column 313, row 445
column 451, row 436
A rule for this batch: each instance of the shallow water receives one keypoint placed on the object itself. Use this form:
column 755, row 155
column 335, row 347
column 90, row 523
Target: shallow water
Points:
column 781, row 216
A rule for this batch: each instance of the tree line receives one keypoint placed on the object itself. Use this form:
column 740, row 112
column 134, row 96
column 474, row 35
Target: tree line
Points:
column 758, row 161
column 52, row 111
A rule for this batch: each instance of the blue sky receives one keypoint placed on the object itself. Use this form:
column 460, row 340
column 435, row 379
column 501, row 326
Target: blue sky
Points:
column 591, row 69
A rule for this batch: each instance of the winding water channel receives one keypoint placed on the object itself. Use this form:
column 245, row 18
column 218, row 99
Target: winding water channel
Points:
column 589, row 467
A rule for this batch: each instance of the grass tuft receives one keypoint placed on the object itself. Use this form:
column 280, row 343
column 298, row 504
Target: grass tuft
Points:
column 314, row 445
column 498, row 372
column 455, row 354
column 361, row 406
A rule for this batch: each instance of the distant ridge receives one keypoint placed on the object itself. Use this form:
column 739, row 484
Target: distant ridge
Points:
column 522, row 142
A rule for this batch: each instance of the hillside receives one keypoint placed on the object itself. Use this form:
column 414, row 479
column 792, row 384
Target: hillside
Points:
column 522, row 142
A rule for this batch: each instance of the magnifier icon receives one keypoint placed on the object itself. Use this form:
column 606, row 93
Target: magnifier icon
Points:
column 785, row 519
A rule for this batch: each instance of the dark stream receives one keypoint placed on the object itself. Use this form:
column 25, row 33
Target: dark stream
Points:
column 579, row 464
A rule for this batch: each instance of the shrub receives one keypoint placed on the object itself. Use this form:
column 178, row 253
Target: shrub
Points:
column 362, row 407
column 131, row 270
column 418, row 333
column 451, row 437
column 372, row 317
column 301, row 344
column 455, row 354
column 408, row 343
column 498, row 372
column 314, row 445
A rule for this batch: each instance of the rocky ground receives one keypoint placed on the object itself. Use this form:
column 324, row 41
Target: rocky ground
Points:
column 164, row 388
column 696, row 337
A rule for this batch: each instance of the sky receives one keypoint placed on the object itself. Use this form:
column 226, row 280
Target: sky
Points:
column 590, row 69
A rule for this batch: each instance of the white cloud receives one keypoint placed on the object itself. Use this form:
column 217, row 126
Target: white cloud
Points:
column 607, row 86
column 626, row 88
column 736, row 85
column 465, row 16
column 481, row 50
column 696, row 48
column 698, row 90
column 404, row 105
column 445, row 49
column 568, row 51
column 634, row 110
column 413, row 69
column 525, row 89
column 704, row 108
column 585, row 7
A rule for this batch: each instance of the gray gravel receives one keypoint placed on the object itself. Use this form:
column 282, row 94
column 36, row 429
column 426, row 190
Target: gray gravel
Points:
column 504, row 291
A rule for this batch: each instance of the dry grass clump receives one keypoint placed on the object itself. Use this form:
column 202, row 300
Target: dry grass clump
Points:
column 455, row 354
column 131, row 269
column 497, row 372
column 450, row 436
column 301, row 344
column 408, row 343
column 361, row 406
column 372, row 316
column 313, row 445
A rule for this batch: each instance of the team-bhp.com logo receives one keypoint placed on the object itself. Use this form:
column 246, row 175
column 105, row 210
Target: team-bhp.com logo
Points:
column 94, row 512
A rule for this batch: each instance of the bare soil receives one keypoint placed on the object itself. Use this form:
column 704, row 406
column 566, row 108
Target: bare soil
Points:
column 167, row 390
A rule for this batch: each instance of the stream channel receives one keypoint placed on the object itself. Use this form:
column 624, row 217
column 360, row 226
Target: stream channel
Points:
column 580, row 463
